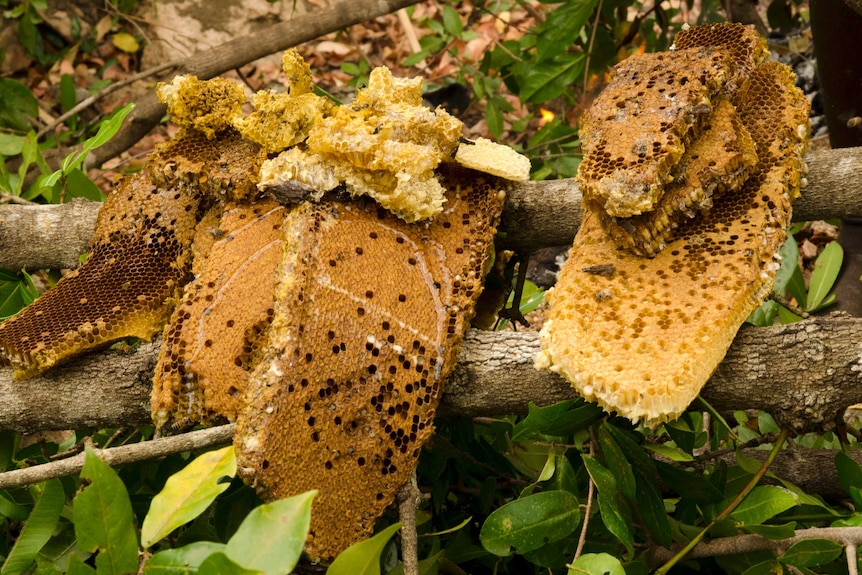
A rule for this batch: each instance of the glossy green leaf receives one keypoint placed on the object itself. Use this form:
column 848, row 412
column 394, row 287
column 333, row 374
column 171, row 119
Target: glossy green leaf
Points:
column 687, row 484
column 763, row 502
column 650, row 504
column 220, row 564
column 617, row 464
column 540, row 419
column 103, row 518
column 78, row 185
column 183, row 560
column 849, row 472
column 789, row 253
column 785, row 316
column 10, row 144
column 796, row 288
column 783, row 531
column 272, row 536
column 811, row 552
column 363, row 558
column 546, row 80
column 616, row 520
column 530, row 522
column 634, row 452
column 188, row 493
column 78, row 567
column 601, row 475
column 824, row 274
column 562, row 26
column 764, row 316
column 37, row 530
column 597, row 564
column 107, row 129
column 768, row 567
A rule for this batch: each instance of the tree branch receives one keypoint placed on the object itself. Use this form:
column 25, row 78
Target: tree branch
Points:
column 805, row 374
column 536, row 214
column 121, row 455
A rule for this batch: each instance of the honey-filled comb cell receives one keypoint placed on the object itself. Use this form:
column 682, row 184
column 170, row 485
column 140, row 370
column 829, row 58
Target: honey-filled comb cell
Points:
column 138, row 262
column 369, row 318
column 213, row 338
column 644, row 340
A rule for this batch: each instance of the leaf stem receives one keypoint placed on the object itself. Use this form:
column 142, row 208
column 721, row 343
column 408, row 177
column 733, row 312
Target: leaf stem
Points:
column 779, row 443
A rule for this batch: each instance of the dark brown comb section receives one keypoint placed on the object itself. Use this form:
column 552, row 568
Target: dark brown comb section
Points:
column 138, row 261
column 214, row 336
column 369, row 319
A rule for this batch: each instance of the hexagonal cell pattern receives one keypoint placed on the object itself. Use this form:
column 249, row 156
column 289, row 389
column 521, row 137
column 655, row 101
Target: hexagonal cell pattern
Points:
column 370, row 312
column 644, row 339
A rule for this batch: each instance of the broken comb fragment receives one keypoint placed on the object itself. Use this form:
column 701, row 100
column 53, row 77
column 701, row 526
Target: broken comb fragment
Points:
column 644, row 340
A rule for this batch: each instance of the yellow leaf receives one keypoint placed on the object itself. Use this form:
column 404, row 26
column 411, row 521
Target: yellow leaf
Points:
column 126, row 42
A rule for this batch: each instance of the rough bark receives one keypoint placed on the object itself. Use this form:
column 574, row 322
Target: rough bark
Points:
column 805, row 374
column 536, row 214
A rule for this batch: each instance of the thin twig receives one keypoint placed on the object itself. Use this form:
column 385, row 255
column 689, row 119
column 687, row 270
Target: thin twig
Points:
column 590, row 50
column 409, row 498
column 87, row 102
column 120, row 455
column 582, row 539
column 730, row 507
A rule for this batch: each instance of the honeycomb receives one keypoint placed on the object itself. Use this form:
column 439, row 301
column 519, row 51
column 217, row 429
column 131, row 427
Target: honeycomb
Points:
column 139, row 260
column 637, row 129
column 492, row 158
column 225, row 168
column 204, row 106
column 369, row 316
column 213, row 338
column 643, row 339
column 717, row 162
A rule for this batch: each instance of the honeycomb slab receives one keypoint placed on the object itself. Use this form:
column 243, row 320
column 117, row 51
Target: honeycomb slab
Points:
column 369, row 319
column 643, row 340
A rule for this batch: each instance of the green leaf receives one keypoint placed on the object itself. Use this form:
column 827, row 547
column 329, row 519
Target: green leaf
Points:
column 188, row 493
column 540, row 420
column 617, row 464
column 182, row 560
column 561, row 27
column 222, row 565
column 597, row 564
column 849, row 472
column 107, row 129
column 530, row 522
column 601, row 475
column 103, row 518
column 796, row 288
column 545, row 81
column 784, row 531
column 823, row 277
column 789, row 254
column 78, row 567
column 452, row 21
column 688, row 484
column 17, row 103
column 763, row 502
column 37, row 530
column 78, row 185
column 810, row 552
column 363, row 558
column 764, row 316
column 270, row 539
column 11, row 144
column 651, row 506
column 614, row 519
